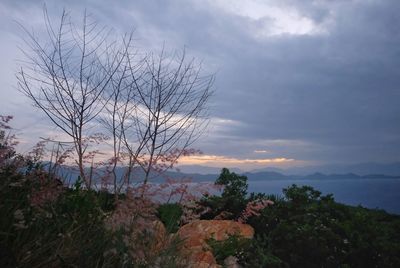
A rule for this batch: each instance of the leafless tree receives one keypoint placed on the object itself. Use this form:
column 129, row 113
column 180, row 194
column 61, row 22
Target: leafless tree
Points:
column 154, row 107
column 157, row 110
column 119, row 108
column 68, row 75
column 170, row 110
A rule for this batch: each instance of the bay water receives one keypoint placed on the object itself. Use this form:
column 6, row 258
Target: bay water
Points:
column 370, row 193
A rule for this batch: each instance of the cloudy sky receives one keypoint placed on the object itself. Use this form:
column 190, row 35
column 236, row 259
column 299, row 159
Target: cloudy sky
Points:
column 297, row 82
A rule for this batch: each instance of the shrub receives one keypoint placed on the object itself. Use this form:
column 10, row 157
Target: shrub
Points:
column 233, row 246
column 307, row 229
column 232, row 201
column 170, row 215
column 65, row 230
column 258, row 254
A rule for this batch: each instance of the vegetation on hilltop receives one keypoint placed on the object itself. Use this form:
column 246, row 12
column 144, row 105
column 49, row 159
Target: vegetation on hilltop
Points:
column 304, row 228
column 45, row 225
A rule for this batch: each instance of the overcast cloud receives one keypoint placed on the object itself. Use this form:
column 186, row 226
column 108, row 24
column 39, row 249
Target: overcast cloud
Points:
column 310, row 81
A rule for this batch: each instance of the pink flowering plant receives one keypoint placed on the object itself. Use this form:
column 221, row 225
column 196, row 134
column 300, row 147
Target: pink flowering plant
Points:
column 254, row 208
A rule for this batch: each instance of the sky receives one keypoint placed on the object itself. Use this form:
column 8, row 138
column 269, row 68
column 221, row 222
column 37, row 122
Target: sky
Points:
column 297, row 82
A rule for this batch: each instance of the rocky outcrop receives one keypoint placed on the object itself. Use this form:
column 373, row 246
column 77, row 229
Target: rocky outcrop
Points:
column 195, row 235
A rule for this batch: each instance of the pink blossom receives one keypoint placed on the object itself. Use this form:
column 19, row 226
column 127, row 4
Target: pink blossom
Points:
column 254, row 208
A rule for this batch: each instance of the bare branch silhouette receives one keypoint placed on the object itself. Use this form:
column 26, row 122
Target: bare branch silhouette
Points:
column 67, row 76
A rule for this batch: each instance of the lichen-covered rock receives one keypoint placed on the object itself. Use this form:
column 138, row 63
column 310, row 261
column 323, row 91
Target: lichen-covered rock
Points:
column 195, row 235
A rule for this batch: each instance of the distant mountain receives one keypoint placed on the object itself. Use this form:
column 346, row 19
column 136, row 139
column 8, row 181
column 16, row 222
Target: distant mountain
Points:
column 361, row 169
column 315, row 176
column 205, row 170
column 267, row 175
column 392, row 169
column 70, row 175
column 137, row 175
column 268, row 169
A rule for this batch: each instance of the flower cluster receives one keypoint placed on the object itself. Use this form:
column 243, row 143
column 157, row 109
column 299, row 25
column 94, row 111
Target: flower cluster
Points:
column 133, row 210
column 254, row 208
column 191, row 211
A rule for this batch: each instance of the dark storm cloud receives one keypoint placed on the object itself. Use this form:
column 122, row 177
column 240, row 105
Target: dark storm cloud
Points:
column 328, row 96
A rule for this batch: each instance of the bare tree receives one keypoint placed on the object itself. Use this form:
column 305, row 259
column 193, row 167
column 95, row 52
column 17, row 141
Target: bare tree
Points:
column 154, row 108
column 157, row 110
column 67, row 76
column 170, row 111
column 118, row 110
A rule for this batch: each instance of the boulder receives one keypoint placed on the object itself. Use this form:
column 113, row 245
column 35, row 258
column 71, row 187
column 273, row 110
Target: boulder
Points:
column 196, row 233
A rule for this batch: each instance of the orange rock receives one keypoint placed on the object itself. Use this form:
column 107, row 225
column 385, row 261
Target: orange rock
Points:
column 204, row 256
column 159, row 235
column 219, row 229
column 200, row 259
column 196, row 233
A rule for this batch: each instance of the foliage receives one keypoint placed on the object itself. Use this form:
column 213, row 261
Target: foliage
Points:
column 53, row 232
column 232, row 201
column 306, row 229
column 45, row 224
column 233, row 246
column 258, row 254
column 72, row 230
column 170, row 215
column 234, row 185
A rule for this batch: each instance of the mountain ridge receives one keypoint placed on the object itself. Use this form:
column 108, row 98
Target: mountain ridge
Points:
column 211, row 177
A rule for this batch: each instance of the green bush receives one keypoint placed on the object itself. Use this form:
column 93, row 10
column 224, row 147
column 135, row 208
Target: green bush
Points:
column 44, row 224
column 233, row 199
column 233, row 246
column 68, row 231
column 307, row 229
column 258, row 254
column 170, row 215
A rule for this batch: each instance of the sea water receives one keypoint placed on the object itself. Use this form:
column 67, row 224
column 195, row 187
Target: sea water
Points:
column 370, row 193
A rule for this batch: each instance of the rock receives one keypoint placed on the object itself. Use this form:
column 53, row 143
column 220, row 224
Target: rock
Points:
column 202, row 259
column 147, row 239
column 159, row 234
column 231, row 262
column 218, row 229
column 196, row 233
